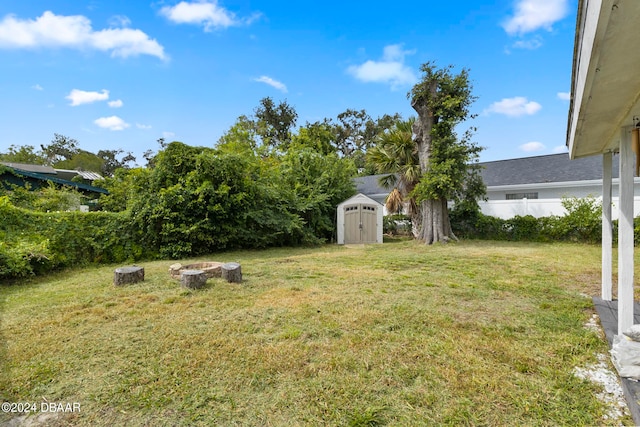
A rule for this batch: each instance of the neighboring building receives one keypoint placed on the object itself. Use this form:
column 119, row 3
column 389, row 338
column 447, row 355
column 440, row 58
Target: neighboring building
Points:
column 36, row 176
column 370, row 187
column 527, row 186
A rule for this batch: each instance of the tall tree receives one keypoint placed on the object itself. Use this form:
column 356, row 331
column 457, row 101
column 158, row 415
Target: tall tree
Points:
column 356, row 132
column 81, row 160
column 275, row 123
column 111, row 162
column 61, row 148
column 442, row 100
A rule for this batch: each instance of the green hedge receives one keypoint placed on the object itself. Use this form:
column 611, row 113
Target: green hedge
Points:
column 582, row 223
column 34, row 242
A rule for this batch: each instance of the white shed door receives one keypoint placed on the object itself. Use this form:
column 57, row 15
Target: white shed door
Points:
column 360, row 222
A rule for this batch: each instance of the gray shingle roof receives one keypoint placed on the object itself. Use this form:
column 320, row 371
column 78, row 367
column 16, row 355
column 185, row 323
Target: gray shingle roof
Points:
column 369, row 185
column 525, row 170
column 541, row 169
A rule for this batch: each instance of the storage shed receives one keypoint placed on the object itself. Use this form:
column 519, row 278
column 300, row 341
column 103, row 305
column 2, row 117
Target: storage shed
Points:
column 359, row 220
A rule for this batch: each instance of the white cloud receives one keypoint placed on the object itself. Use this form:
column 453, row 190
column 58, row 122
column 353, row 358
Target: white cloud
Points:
column 532, row 146
column 125, row 42
column 115, row 104
column 141, row 126
column 37, row 87
column 560, row 149
column 119, row 21
column 565, row 96
column 531, row 44
column 206, row 13
column 514, row 107
column 79, row 97
column 531, row 15
column 273, row 83
column 75, row 32
column 391, row 69
column 111, row 123
column 167, row 135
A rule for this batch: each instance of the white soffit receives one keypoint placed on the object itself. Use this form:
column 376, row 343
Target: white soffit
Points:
column 605, row 82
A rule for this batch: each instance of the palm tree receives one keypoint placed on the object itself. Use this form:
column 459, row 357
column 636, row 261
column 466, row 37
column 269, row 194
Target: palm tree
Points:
column 395, row 154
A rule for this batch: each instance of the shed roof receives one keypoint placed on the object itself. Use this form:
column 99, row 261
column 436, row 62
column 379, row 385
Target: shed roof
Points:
column 360, row 197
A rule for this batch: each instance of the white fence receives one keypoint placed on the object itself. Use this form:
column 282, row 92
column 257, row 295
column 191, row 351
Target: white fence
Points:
column 506, row 209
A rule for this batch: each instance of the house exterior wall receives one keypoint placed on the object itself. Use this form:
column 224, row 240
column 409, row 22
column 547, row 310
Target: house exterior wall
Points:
column 506, row 209
column 549, row 201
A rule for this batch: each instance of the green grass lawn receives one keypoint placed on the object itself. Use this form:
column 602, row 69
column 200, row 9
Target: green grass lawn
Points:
column 474, row 333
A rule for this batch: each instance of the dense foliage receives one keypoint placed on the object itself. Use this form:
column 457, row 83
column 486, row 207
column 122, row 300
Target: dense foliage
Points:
column 32, row 242
column 194, row 201
column 200, row 200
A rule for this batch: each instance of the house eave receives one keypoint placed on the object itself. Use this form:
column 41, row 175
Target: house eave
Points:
column 605, row 90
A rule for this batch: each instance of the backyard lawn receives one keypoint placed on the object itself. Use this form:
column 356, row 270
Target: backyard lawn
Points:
column 474, row 333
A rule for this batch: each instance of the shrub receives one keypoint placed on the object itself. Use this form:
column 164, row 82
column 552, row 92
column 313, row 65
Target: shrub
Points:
column 396, row 224
column 583, row 221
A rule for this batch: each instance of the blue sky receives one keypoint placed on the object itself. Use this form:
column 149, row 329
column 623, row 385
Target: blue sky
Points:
column 121, row 74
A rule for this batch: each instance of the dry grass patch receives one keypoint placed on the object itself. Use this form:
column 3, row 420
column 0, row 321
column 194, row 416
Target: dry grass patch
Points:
column 475, row 333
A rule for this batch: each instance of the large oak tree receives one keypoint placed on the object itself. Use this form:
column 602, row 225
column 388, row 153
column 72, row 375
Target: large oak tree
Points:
column 442, row 100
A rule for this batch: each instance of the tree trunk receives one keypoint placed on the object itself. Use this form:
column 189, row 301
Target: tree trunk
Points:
column 232, row 272
column 434, row 215
column 193, row 279
column 435, row 222
column 125, row 275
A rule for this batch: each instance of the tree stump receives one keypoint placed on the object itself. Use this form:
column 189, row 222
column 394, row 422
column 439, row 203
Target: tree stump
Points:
column 125, row 275
column 193, row 279
column 232, row 272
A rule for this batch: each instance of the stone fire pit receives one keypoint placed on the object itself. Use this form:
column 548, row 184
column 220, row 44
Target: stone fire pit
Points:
column 211, row 269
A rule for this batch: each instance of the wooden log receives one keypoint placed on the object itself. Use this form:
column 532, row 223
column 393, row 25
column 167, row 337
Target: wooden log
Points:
column 125, row 275
column 193, row 279
column 232, row 272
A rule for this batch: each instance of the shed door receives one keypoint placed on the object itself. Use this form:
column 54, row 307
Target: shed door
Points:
column 360, row 223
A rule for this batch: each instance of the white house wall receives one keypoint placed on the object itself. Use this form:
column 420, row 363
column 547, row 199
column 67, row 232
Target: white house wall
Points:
column 506, row 209
column 549, row 201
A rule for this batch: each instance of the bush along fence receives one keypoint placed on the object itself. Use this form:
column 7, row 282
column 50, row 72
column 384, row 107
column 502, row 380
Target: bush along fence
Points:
column 582, row 223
